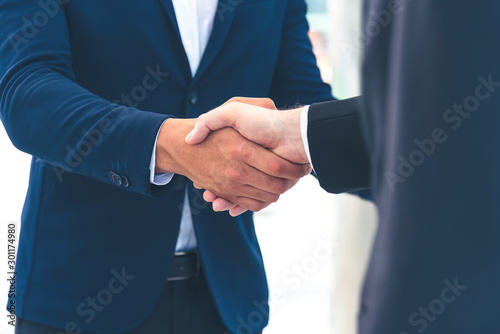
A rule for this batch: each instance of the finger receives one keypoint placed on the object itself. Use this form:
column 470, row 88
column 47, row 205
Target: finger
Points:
column 237, row 210
column 243, row 195
column 209, row 196
column 221, row 204
column 247, row 197
column 272, row 164
column 258, row 102
column 211, row 121
column 243, row 190
column 224, row 116
column 254, row 184
column 251, row 192
column 197, row 186
column 261, row 187
column 250, row 204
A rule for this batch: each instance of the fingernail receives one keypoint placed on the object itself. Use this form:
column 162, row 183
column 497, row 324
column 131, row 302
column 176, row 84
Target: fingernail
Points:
column 188, row 137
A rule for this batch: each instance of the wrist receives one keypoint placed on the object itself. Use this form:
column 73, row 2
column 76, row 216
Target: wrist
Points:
column 170, row 143
column 293, row 133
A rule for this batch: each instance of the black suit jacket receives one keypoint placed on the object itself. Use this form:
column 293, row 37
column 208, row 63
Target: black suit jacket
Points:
column 429, row 118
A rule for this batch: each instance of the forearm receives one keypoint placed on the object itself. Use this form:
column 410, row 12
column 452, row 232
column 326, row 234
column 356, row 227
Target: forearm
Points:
column 50, row 117
column 158, row 179
column 171, row 148
column 337, row 146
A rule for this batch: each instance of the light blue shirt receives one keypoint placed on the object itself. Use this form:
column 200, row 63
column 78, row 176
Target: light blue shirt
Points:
column 195, row 20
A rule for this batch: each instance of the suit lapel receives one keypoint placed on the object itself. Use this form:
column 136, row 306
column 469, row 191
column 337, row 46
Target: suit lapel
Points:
column 222, row 22
column 169, row 9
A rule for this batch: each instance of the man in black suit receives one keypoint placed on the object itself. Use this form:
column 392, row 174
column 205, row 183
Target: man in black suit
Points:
column 429, row 119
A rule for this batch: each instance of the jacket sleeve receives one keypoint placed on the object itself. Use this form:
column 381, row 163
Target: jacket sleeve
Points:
column 49, row 116
column 337, row 147
column 297, row 79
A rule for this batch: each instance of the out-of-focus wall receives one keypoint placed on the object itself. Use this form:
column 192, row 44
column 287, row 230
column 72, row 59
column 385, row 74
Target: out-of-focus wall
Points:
column 14, row 172
column 316, row 245
column 356, row 219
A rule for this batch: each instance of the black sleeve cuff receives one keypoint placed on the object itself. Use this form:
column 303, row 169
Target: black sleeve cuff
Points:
column 337, row 146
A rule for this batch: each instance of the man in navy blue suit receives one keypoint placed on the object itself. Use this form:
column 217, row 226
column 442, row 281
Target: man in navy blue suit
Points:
column 114, row 238
column 425, row 138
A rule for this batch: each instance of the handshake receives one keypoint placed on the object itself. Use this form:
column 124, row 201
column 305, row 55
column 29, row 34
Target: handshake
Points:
column 245, row 153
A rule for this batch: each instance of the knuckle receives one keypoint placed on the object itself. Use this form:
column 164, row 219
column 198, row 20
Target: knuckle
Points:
column 234, row 174
column 279, row 187
column 233, row 103
column 217, row 188
column 234, row 99
column 269, row 102
column 276, row 167
column 243, row 152
column 252, row 205
column 299, row 172
column 258, row 207
column 275, row 198
column 262, row 206
column 202, row 119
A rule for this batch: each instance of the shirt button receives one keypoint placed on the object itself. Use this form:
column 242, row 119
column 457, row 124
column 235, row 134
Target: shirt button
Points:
column 115, row 178
column 193, row 98
column 125, row 182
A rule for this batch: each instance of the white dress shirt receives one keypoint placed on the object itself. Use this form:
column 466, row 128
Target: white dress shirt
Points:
column 195, row 21
column 304, row 122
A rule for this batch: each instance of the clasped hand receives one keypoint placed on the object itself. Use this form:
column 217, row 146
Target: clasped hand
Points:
column 246, row 174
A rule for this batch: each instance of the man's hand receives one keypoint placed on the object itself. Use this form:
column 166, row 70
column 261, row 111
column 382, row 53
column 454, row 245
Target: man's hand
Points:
column 259, row 121
column 276, row 130
column 227, row 164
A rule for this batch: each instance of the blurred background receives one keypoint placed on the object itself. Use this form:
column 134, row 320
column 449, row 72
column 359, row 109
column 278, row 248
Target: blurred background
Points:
column 315, row 245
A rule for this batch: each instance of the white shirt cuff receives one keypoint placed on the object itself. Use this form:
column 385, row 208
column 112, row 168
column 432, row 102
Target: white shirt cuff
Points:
column 303, row 130
column 158, row 179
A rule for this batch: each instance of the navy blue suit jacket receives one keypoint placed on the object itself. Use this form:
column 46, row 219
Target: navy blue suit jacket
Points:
column 85, row 87
column 429, row 117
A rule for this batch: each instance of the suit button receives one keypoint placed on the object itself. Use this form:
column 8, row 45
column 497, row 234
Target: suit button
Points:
column 193, row 98
column 115, row 178
column 125, row 182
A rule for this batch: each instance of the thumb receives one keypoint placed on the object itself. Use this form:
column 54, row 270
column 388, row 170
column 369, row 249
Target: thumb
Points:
column 211, row 121
column 254, row 101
